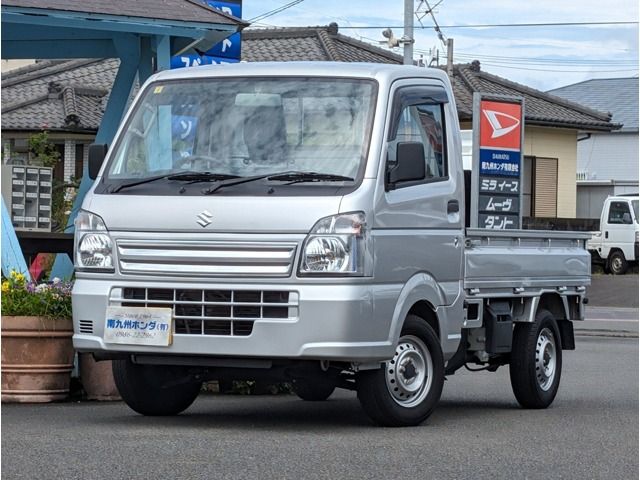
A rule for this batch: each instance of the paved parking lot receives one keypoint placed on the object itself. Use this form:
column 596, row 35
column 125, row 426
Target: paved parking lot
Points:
column 613, row 291
column 591, row 431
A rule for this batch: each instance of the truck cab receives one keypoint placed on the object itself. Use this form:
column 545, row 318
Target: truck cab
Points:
column 616, row 243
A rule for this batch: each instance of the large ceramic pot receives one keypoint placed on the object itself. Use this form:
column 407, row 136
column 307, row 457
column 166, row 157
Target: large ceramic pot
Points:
column 37, row 359
column 97, row 379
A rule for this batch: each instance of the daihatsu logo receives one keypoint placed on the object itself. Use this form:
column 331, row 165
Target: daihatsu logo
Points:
column 501, row 123
column 204, row 219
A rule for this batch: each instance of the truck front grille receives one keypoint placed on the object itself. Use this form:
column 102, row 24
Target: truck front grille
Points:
column 211, row 258
column 214, row 312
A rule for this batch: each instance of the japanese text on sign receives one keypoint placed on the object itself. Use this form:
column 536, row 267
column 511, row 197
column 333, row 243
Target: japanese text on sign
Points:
column 138, row 326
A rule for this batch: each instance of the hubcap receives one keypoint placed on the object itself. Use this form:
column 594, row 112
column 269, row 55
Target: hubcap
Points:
column 409, row 373
column 545, row 359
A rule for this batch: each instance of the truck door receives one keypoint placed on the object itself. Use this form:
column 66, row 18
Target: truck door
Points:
column 618, row 230
column 418, row 225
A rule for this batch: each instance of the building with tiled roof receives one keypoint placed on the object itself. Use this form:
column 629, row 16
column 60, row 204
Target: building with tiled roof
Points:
column 607, row 161
column 34, row 98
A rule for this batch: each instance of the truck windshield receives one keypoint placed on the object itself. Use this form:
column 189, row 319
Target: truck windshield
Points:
column 244, row 127
column 635, row 210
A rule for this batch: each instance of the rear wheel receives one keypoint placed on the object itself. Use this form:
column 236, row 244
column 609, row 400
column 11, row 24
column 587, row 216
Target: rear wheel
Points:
column 152, row 390
column 408, row 387
column 313, row 391
column 536, row 361
column 618, row 263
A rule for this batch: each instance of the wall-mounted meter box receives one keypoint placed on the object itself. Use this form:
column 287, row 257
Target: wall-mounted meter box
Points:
column 27, row 194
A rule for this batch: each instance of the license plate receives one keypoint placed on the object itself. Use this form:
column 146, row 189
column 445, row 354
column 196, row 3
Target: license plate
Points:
column 139, row 326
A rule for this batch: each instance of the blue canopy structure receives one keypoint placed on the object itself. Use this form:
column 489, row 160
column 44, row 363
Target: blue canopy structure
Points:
column 143, row 34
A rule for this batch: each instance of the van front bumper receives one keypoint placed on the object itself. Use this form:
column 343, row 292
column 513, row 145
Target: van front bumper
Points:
column 328, row 322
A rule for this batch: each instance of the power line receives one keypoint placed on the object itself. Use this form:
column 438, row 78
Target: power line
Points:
column 270, row 13
column 550, row 61
column 429, row 11
column 590, row 69
column 462, row 53
column 493, row 25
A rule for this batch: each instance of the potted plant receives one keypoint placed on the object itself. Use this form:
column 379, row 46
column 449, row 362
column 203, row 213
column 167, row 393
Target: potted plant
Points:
column 37, row 349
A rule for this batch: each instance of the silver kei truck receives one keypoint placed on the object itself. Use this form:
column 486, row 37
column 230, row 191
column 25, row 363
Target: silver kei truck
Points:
column 305, row 222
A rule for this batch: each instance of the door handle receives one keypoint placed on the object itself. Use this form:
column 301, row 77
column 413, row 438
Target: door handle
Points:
column 453, row 206
column 606, row 234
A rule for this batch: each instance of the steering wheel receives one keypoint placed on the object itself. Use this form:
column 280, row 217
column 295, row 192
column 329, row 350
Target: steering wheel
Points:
column 202, row 161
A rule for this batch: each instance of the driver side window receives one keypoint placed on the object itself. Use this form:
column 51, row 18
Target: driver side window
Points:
column 619, row 213
column 420, row 120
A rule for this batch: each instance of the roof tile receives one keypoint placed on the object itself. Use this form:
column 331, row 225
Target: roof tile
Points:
column 616, row 95
column 178, row 10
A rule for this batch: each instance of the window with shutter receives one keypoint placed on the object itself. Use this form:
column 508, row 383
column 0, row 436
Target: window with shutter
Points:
column 546, row 187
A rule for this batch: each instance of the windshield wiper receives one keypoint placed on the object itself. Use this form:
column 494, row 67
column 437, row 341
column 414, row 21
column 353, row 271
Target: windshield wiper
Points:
column 182, row 176
column 291, row 176
column 297, row 177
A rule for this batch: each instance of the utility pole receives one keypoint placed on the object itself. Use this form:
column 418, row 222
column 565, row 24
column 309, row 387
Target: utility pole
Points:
column 408, row 32
column 450, row 57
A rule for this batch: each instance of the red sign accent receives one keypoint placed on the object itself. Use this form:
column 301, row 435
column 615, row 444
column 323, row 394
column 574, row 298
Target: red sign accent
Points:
column 500, row 125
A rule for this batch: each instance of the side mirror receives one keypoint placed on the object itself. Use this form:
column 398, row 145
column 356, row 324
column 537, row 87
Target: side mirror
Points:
column 97, row 153
column 409, row 163
column 626, row 218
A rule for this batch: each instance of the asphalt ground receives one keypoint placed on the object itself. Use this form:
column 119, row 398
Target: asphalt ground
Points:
column 478, row 431
column 619, row 291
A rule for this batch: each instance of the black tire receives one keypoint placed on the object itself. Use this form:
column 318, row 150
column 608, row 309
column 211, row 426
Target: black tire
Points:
column 374, row 386
column 530, row 367
column 143, row 388
column 313, row 391
column 618, row 264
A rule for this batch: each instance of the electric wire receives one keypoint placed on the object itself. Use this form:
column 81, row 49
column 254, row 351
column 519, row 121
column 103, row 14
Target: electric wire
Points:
column 436, row 27
column 275, row 11
column 509, row 25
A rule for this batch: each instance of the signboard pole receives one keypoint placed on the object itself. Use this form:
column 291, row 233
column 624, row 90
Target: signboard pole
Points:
column 475, row 161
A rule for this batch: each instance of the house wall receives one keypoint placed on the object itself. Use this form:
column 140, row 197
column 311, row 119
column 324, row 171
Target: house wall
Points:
column 14, row 147
column 560, row 144
column 608, row 156
column 591, row 199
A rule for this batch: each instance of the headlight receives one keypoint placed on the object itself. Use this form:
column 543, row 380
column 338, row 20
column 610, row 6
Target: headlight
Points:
column 94, row 248
column 336, row 245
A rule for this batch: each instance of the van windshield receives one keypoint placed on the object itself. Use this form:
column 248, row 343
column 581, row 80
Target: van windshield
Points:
column 635, row 210
column 243, row 127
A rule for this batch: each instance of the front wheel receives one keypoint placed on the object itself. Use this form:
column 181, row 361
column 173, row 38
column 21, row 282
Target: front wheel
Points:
column 408, row 387
column 154, row 390
column 536, row 361
column 618, row 263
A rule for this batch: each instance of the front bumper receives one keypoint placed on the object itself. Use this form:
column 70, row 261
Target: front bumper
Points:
column 332, row 322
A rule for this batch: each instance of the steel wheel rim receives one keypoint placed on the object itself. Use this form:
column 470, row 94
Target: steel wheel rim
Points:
column 409, row 374
column 546, row 359
column 616, row 264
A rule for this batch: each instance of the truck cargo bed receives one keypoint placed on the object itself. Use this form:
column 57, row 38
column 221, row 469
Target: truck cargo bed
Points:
column 497, row 259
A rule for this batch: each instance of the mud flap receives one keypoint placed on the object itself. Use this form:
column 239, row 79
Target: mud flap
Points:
column 566, row 334
column 499, row 324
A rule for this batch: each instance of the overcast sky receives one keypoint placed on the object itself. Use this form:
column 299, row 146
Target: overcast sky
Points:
column 540, row 57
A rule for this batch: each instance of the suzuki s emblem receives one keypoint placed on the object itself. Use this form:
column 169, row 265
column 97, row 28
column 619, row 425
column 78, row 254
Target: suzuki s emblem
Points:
column 501, row 123
column 204, row 219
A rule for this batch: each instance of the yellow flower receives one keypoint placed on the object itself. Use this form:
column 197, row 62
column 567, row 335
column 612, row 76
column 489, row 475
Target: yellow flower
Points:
column 5, row 286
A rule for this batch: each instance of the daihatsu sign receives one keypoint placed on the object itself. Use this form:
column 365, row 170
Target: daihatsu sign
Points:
column 498, row 129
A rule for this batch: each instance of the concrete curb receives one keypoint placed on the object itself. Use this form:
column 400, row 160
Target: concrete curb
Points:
column 606, row 333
